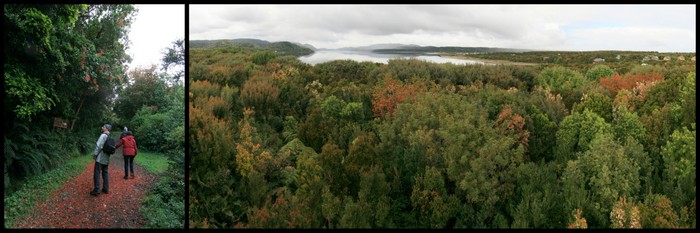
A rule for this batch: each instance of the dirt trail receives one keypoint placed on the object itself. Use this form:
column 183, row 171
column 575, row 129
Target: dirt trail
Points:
column 72, row 206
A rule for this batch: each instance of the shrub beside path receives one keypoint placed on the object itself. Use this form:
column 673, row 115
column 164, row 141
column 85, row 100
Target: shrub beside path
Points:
column 72, row 206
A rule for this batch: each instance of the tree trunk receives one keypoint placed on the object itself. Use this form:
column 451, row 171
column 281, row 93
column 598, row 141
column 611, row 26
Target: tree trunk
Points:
column 77, row 113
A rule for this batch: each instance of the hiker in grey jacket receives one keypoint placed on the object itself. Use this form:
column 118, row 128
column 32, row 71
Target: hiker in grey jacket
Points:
column 101, row 163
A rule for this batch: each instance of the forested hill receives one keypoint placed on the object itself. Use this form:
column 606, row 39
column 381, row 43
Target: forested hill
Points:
column 281, row 47
column 451, row 49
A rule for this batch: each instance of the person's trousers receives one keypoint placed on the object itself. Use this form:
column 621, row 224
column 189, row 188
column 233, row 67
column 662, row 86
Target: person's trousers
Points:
column 101, row 169
column 128, row 165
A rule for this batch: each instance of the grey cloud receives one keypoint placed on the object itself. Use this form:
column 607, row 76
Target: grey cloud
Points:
column 501, row 25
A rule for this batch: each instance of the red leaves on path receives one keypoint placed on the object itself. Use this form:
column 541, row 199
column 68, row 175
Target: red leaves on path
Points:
column 72, row 206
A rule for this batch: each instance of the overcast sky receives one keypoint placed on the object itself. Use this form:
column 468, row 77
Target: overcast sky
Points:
column 153, row 30
column 663, row 28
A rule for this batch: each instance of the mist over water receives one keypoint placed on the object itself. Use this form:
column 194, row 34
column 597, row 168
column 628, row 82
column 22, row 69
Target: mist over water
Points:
column 321, row 56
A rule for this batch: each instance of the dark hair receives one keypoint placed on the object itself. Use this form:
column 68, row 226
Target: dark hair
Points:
column 129, row 133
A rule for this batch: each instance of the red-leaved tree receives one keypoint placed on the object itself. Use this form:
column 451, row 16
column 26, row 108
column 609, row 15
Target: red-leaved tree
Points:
column 618, row 82
column 390, row 93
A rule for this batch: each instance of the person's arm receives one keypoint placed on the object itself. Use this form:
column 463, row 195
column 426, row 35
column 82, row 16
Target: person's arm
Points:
column 119, row 144
column 100, row 143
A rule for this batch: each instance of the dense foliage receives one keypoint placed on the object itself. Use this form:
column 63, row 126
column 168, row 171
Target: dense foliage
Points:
column 276, row 143
column 68, row 64
column 60, row 61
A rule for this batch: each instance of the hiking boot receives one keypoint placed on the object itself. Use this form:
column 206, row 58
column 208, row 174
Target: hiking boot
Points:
column 132, row 176
column 105, row 191
column 94, row 193
column 126, row 177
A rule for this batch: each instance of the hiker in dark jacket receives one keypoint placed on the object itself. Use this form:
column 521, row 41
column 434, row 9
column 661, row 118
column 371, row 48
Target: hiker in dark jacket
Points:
column 129, row 152
column 101, row 163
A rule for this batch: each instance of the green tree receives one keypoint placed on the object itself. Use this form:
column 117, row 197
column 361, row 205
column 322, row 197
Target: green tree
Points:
column 371, row 209
column 290, row 128
column 606, row 173
column 435, row 206
column 332, row 107
column 536, row 201
column 331, row 160
column 554, row 78
column 574, row 192
column 86, row 58
column 263, row 57
column 598, row 71
column 353, row 111
column 576, row 132
column 688, row 99
column 174, row 58
column 56, row 57
column 434, row 131
column 597, row 103
column 148, row 89
column 362, row 155
column 679, row 156
column 310, row 191
column 542, row 140
column 626, row 123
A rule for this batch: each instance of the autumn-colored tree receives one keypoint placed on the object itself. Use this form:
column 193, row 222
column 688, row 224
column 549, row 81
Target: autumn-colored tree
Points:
column 657, row 212
column 579, row 222
column 625, row 215
column 388, row 94
column 281, row 213
column 203, row 89
column 214, row 105
column 510, row 123
column 261, row 95
column 618, row 82
column 247, row 150
column 211, row 171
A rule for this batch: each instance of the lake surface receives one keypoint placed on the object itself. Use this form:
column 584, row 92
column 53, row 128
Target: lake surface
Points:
column 321, row 56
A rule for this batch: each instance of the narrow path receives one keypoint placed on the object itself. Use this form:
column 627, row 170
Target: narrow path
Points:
column 72, row 206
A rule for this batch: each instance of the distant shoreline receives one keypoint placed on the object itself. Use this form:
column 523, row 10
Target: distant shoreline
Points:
column 486, row 61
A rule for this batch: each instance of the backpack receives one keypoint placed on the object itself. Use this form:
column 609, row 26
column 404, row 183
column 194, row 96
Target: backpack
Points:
column 109, row 147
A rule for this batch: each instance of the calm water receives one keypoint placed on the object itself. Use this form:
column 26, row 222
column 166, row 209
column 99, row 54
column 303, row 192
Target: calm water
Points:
column 321, row 56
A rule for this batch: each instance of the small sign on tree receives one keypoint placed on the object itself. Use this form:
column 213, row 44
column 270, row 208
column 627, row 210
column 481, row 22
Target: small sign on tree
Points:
column 59, row 123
